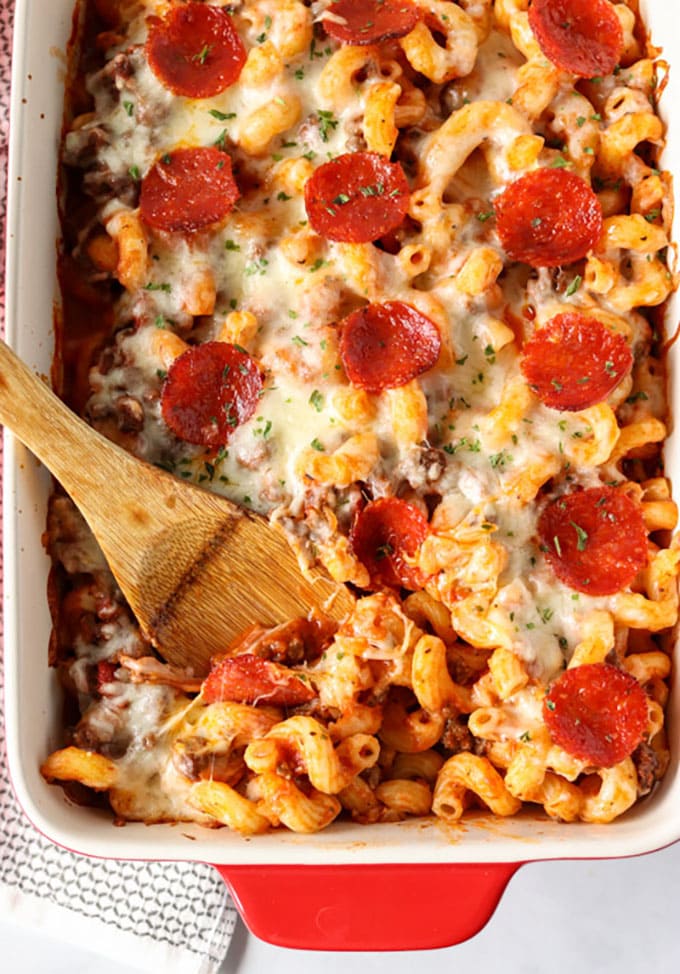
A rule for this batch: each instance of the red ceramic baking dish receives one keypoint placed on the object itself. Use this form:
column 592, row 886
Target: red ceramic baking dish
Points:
column 415, row 884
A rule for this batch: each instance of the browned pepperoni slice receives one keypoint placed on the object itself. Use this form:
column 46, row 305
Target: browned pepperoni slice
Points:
column 386, row 345
column 356, row 197
column 188, row 189
column 595, row 539
column 195, row 51
column 583, row 37
column 574, row 361
column 548, row 217
column 384, row 533
column 597, row 713
column 209, row 391
column 251, row 679
column 369, row 21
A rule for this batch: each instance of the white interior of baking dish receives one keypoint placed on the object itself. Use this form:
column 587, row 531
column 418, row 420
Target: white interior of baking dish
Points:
column 33, row 704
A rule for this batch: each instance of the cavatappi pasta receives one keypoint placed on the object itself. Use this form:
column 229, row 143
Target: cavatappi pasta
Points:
column 385, row 271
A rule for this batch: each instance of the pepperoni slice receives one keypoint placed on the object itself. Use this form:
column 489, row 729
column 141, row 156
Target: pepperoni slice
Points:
column 583, row 37
column 384, row 533
column 356, row 197
column 574, row 361
column 209, row 391
column 386, row 345
column 597, row 713
column 548, row 217
column 188, row 189
column 595, row 539
column 369, row 21
column 195, row 51
column 251, row 679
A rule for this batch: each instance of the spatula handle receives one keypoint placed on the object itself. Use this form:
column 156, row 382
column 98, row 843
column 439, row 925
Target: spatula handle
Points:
column 63, row 442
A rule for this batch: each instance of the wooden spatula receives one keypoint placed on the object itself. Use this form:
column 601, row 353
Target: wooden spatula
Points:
column 195, row 568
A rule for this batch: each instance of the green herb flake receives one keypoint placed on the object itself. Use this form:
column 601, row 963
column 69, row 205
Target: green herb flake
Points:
column 167, row 288
column 581, row 535
column 221, row 116
column 327, row 122
column 574, row 285
column 317, row 400
column 258, row 266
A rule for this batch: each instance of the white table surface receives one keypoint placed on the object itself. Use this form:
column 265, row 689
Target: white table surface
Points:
column 611, row 917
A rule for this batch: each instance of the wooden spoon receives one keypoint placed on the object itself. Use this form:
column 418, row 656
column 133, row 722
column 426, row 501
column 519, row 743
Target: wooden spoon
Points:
column 196, row 569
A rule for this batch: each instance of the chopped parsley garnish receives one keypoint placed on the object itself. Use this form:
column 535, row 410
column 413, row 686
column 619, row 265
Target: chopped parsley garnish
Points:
column 316, row 400
column 231, row 245
column 499, row 459
column 581, row 535
column 258, row 266
column 378, row 189
column 221, row 116
column 574, row 285
column 158, row 287
column 327, row 122
column 129, row 107
column 317, row 445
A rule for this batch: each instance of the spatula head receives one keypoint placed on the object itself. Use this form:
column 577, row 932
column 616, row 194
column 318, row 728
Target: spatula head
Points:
column 211, row 573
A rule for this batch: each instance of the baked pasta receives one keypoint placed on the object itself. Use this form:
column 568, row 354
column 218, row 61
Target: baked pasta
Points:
column 391, row 273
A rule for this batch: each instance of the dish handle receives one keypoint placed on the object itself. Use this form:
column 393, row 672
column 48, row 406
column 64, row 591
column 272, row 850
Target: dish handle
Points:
column 367, row 907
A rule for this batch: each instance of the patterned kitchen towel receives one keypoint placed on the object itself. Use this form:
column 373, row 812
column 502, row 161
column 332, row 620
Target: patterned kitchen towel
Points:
column 173, row 917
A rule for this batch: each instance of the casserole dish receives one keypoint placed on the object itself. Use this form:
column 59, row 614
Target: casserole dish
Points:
column 340, row 889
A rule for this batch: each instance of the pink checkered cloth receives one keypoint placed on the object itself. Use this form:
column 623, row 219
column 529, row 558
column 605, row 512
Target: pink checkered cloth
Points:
column 174, row 917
